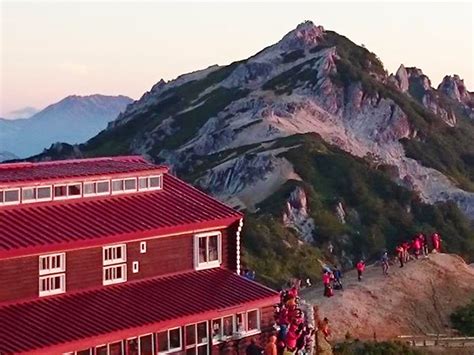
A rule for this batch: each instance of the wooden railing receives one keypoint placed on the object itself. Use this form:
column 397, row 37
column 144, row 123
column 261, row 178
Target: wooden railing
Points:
column 437, row 340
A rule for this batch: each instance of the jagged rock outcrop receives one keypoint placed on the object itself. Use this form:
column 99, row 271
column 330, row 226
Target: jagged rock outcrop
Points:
column 296, row 215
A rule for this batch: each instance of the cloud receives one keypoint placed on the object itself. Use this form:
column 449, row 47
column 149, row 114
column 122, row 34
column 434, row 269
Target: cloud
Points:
column 25, row 112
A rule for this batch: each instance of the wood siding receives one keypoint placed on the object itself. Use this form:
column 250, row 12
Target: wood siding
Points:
column 19, row 276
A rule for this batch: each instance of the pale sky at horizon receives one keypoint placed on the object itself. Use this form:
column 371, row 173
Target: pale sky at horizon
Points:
column 49, row 50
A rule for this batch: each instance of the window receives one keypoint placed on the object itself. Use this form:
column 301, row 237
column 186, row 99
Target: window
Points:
column 96, row 188
column 146, row 345
column 114, row 254
column 117, row 186
column 32, row 194
column 10, row 196
column 149, row 182
column 116, row 348
column 64, row 191
column 169, row 341
column 114, row 261
column 130, row 184
column 115, row 274
column 53, row 263
column 142, row 247
column 247, row 323
column 207, row 250
column 132, row 346
column 253, row 320
column 52, row 284
column 228, row 326
column 135, row 267
column 196, row 338
column 101, row 350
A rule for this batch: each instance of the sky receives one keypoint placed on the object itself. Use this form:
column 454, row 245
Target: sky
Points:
column 49, row 50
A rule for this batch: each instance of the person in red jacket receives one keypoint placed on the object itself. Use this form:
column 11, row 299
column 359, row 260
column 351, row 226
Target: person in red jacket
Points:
column 436, row 240
column 360, row 269
column 400, row 254
column 416, row 244
column 327, row 284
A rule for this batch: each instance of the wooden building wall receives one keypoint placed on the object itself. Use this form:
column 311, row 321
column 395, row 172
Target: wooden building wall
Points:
column 19, row 277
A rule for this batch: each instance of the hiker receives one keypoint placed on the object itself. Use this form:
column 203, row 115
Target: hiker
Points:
column 436, row 240
column 416, row 244
column 405, row 246
column 271, row 348
column 337, row 278
column 327, row 284
column 424, row 244
column 400, row 254
column 360, row 269
column 385, row 264
column 253, row 348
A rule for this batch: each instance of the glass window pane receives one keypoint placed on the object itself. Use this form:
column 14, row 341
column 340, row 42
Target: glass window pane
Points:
column 216, row 328
column 44, row 192
column 228, row 327
column 89, row 188
column 60, row 191
column 28, row 194
column 142, row 183
column 132, row 347
column 1, row 196
column 190, row 334
column 117, row 185
column 101, row 350
column 146, row 345
column 202, row 350
column 102, row 187
column 202, row 332
column 175, row 338
column 116, row 349
column 84, row 352
column 163, row 341
column 202, row 250
column 240, row 324
column 213, row 252
column 131, row 184
column 252, row 320
column 191, row 351
column 155, row 182
column 11, row 196
column 74, row 190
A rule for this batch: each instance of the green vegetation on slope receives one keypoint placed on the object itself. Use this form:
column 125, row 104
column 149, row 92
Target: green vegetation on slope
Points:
column 380, row 213
column 463, row 319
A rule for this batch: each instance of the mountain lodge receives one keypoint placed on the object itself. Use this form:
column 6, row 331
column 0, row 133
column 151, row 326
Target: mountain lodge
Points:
column 117, row 256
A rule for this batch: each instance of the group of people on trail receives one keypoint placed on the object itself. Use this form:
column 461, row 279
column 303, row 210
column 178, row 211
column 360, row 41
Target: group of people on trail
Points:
column 419, row 245
column 332, row 280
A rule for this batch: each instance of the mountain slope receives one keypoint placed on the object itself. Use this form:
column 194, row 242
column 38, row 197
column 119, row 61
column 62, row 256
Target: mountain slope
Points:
column 415, row 300
column 73, row 120
column 235, row 131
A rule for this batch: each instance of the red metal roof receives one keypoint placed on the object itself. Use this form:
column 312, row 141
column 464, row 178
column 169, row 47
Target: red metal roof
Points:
column 17, row 173
column 115, row 312
column 69, row 224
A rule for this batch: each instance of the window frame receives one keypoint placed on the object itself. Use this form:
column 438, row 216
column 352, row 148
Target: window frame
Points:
column 147, row 179
column 114, row 261
column 114, row 280
column 207, row 264
column 95, row 193
column 135, row 267
column 153, row 345
column 171, row 350
column 55, row 270
column 67, row 196
column 35, row 191
column 143, row 247
column 62, row 289
column 7, row 203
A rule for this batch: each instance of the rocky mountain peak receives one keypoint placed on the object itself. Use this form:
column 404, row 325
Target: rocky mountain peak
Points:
column 453, row 87
column 305, row 35
column 402, row 77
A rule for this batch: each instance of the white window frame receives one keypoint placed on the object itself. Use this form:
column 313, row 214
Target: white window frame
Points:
column 148, row 187
column 95, row 193
column 126, row 191
column 256, row 330
column 123, row 259
column 62, row 289
column 56, row 198
column 222, row 336
column 114, row 280
column 135, row 267
column 56, row 270
column 122, row 349
column 208, row 264
column 112, row 187
column 35, row 189
column 152, row 342
column 173, row 350
column 142, row 247
column 197, row 342
column 11, row 202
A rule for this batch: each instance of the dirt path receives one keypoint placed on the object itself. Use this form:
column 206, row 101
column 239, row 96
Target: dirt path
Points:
column 415, row 299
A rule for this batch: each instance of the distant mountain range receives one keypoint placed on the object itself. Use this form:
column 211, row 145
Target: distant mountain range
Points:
column 73, row 120
column 322, row 147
